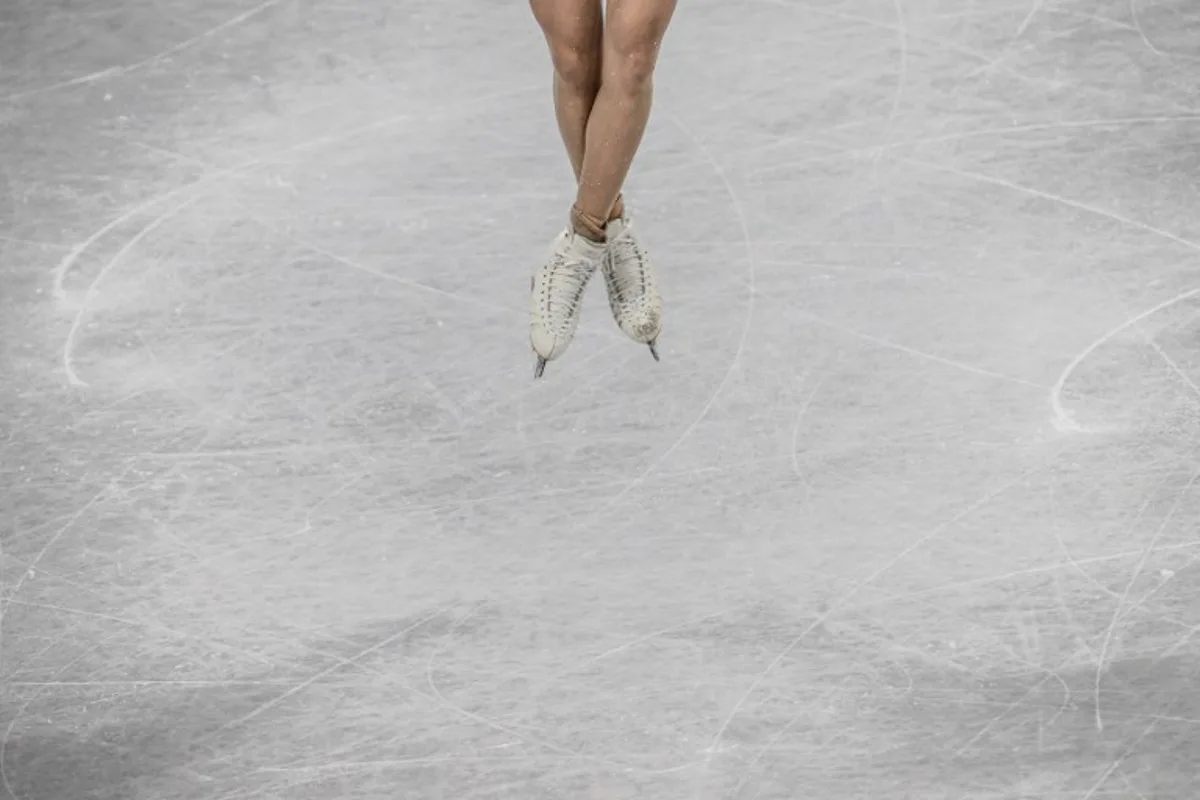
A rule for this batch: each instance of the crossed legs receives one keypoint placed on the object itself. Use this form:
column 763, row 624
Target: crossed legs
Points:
column 603, row 87
column 604, row 61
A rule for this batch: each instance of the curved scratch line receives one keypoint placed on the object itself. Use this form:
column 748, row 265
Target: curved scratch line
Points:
column 1063, row 419
column 78, row 250
column 90, row 295
column 1137, row 26
column 113, row 72
column 1054, row 198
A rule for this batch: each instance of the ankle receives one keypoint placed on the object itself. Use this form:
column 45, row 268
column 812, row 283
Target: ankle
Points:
column 587, row 225
column 618, row 209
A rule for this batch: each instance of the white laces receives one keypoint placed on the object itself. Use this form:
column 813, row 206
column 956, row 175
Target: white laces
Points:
column 565, row 283
column 628, row 274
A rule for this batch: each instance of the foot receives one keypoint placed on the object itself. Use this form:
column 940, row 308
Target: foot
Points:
column 557, row 294
column 632, row 289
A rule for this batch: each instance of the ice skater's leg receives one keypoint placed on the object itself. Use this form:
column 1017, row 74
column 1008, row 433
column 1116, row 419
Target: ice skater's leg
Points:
column 633, row 34
column 574, row 31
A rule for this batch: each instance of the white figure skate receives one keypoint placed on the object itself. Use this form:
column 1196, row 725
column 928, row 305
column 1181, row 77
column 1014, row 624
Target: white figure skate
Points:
column 632, row 289
column 557, row 295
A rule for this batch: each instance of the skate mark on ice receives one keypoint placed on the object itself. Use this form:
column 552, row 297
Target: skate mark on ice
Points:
column 836, row 604
column 12, row 593
column 621, row 648
column 346, row 769
column 794, row 456
column 1078, row 14
column 1170, row 362
column 947, row 44
column 251, row 164
column 116, row 72
column 90, row 294
column 299, row 687
column 174, row 155
column 147, row 684
column 150, row 624
column 51, row 575
column 1039, row 127
column 1137, row 26
column 747, row 771
column 1119, row 760
column 1006, row 53
column 1049, row 673
column 1063, row 419
column 69, row 260
column 1117, row 611
column 1129, row 787
column 912, row 351
column 247, row 543
column 1042, row 569
column 1006, row 50
column 1025, row 23
column 386, row 276
column 1183, row 640
column 863, row 152
column 19, row 714
column 1058, row 199
column 1077, row 629
column 512, row 730
column 1152, row 548
column 445, row 702
column 1011, row 707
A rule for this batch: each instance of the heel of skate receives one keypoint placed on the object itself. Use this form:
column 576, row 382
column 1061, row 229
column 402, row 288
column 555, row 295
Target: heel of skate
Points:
column 653, row 345
column 540, row 368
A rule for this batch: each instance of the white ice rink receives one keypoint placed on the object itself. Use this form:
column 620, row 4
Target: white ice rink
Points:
column 907, row 512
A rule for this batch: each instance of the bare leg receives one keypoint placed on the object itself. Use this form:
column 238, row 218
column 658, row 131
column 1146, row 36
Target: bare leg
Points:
column 602, row 77
column 632, row 38
column 574, row 31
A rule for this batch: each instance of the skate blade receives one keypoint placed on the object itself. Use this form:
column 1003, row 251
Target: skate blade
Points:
column 540, row 368
column 654, row 349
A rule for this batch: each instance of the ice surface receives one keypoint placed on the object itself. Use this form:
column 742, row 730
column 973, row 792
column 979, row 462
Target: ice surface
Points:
column 909, row 509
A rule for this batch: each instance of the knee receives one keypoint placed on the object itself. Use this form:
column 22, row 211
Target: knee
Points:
column 577, row 63
column 630, row 63
column 633, row 37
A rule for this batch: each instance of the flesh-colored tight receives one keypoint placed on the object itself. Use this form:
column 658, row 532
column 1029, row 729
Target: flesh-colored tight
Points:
column 603, row 90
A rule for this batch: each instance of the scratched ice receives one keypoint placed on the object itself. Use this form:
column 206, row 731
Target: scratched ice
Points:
column 907, row 510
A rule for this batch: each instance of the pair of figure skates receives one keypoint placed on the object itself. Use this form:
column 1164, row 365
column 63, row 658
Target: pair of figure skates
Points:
column 559, row 285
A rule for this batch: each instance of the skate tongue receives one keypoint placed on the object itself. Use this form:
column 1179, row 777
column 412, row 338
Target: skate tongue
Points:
column 614, row 228
column 586, row 249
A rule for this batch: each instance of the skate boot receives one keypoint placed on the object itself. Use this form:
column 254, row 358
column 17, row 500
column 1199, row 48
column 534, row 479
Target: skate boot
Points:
column 632, row 290
column 557, row 294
